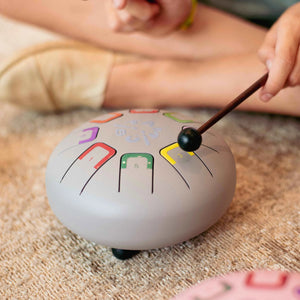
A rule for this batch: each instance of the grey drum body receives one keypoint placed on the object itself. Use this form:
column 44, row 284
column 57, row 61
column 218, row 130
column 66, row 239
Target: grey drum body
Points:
column 121, row 180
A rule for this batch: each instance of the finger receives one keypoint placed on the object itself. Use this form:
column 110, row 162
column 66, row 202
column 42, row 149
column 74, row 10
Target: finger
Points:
column 283, row 62
column 126, row 23
column 142, row 10
column 267, row 50
column 119, row 4
column 294, row 78
column 120, row 20
column 112, row 17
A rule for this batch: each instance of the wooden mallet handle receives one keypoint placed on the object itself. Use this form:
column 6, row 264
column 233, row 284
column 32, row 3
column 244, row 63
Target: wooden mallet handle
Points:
column 234, row 103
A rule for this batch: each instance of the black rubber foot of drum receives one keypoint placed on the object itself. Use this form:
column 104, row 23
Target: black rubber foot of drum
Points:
column 124, row 254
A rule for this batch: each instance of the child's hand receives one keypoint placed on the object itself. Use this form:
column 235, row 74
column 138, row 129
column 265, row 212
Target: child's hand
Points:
column 280, row 52
column 158, row 17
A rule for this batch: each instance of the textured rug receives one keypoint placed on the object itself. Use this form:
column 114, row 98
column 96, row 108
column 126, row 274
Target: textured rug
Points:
column 41, row 259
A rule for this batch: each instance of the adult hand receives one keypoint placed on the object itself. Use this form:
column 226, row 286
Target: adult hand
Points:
column 280, row 52
column 158, row 17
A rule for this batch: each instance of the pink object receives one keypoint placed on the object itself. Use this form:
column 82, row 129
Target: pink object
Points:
column 254, row 285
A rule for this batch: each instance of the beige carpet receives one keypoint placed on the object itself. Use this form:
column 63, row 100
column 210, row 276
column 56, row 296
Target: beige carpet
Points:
column 41, row 259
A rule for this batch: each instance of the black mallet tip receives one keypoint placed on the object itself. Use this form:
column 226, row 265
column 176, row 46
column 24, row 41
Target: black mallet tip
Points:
column 189, row 139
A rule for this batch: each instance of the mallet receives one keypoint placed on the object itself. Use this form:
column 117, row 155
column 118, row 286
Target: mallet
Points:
column 190, row 139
